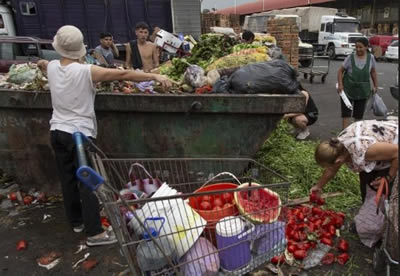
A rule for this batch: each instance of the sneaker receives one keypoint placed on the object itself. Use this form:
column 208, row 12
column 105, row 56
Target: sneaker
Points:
column 108, row 238
column 79, row 228
column 303, row 135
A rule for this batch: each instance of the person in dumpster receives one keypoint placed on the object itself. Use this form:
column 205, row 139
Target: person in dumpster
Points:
column 248, row 37
column 301, row 121
column 142, row 54
column 72, row 96
column 354, row 79
column 107, row 50
column 369, row 148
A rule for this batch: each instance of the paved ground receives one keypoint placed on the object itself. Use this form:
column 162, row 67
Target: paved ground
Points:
column 54, row 234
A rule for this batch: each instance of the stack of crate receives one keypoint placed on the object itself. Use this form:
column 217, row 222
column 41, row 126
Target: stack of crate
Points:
column 209, row 20
column 222, row 20
column 286, row 33
column 235, row 23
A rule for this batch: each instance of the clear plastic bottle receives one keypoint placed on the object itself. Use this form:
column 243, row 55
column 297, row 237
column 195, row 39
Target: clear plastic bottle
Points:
column 150, row 258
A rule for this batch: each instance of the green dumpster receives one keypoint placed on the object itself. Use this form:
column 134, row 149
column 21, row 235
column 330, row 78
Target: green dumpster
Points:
column 140, row 125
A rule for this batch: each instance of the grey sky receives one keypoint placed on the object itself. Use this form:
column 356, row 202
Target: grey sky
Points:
column 220, row 4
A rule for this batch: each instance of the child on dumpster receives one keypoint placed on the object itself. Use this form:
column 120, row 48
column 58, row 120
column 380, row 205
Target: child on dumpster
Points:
column 301, row 121
column 72, row 96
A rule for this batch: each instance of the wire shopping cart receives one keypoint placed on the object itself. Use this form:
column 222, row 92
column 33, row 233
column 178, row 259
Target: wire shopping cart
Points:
column 169, row 233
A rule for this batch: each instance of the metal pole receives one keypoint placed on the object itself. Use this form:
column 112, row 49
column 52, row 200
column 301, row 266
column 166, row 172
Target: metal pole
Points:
column 373, row 14
column 235, row 6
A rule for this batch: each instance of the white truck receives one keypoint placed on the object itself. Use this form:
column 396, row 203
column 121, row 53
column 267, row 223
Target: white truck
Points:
column 327, row 30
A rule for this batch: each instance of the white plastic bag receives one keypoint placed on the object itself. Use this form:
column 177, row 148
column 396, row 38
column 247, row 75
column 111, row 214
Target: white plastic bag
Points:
column 378, row 106
column 369, row 224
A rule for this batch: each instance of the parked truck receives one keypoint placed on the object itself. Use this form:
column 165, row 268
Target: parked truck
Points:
column 42, row 18
column 327, row 30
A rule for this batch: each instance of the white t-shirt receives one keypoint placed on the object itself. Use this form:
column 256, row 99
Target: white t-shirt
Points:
column 360, row 63
column 72, row 97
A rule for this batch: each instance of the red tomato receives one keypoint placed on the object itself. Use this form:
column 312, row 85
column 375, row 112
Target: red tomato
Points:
column 327, row 235
column 343, row 258
column 338, row 221
column 300, row 216
column 299, row 254
column 227, row 197
column 340, row 214
column 314, row 197
column 21, row 245
column 316, row 211
column 343, row 245
column 227, row 205
column 218, row 202
column 206, row 198
column 278, row 260
column 12, row 196
column 328, row 259
column 217, row 208
column 205, row 205
column 292, row 248
column 332, row 230
column 321, row 201
column 327, row 241
column 28, row 200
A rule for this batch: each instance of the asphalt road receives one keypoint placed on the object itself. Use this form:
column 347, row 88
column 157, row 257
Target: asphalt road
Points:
column 327, row 100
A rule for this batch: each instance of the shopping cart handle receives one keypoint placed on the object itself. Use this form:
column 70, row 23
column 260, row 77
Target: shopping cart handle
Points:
column 89, row 177
column 79, row 138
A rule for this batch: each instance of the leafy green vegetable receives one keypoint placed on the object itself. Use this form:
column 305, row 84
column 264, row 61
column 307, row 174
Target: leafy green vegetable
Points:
column 209, row 48
column 295, row 160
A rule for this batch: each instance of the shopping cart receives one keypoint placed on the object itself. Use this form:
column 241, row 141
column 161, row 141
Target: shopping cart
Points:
column 319, row 67
column 168, row 212
column 388, row 253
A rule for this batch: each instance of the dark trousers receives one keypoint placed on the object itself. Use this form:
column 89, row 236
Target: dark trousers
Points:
column 81, row 204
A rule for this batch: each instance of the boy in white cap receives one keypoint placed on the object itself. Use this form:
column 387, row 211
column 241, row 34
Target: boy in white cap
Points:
column 72, row 96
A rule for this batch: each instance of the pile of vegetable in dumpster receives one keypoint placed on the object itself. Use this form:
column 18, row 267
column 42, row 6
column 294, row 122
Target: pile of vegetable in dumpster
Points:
column 211, row 54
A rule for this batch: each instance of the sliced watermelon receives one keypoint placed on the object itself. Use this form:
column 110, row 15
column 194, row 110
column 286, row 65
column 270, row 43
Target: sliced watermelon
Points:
column 259, row 205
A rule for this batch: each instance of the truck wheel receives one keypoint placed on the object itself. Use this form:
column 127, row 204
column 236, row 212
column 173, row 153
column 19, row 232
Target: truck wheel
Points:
column 306, row 62
column 331, row 52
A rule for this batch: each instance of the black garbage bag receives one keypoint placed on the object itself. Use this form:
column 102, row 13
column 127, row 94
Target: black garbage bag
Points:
column 271, row 77
column 221, row 86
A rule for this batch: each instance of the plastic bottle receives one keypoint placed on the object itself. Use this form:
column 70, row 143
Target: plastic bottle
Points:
column 149, row 257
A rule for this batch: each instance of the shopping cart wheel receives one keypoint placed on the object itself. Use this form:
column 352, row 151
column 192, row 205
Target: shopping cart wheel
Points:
column 323, row 78
column 305, row 76
column 379, row 260
column 311, row 79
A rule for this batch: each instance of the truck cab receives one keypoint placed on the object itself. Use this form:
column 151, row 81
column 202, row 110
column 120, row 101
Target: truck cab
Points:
column 6, row 21
column 338, row 34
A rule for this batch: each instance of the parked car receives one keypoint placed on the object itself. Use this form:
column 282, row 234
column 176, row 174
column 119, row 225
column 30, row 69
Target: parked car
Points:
column 382, row 41
column 392, row 52
column 21, row 49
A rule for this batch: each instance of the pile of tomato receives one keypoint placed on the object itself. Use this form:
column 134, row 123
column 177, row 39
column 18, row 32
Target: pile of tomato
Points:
column 215, row 202
column 306, row 226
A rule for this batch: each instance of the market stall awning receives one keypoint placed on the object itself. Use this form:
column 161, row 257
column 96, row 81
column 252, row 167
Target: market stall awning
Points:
column 267, row 5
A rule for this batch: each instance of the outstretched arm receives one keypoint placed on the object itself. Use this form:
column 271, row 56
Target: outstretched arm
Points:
column 104, row 74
